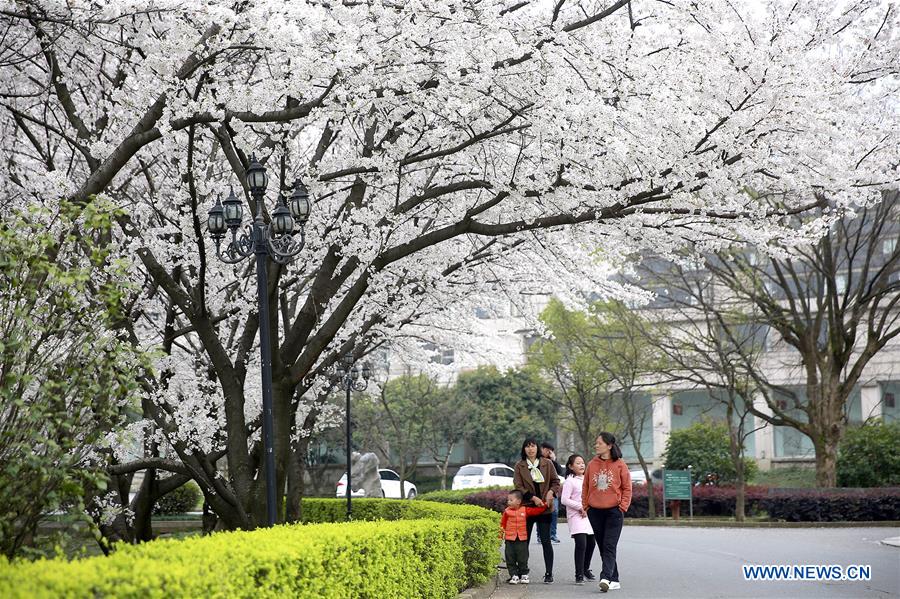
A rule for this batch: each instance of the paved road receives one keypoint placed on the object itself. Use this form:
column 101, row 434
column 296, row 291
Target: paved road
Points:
column 663, row 562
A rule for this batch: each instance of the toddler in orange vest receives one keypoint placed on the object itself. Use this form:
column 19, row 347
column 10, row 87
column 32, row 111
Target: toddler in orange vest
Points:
column 515, row 532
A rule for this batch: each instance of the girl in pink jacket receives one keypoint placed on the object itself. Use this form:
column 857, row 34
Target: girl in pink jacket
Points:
column 579, row 526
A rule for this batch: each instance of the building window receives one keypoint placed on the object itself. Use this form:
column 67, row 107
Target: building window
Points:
column 439, row 355
column 840, row 281
column 444, row 356
column 782, row 404
column 889, row 401
column 888, row 246
column 677, row 409
column 483, row 313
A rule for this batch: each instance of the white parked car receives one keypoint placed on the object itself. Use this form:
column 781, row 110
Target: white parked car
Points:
column 390, row 486
column 472, row 476
column 639, row 478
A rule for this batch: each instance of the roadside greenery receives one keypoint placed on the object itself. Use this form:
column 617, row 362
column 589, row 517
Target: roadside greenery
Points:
column 793, row 477
column 183, row 499
column 406, row 418
column 705, row 446
column 65, row 381
column 415, row 548
column 507, row 407
column 869, row 456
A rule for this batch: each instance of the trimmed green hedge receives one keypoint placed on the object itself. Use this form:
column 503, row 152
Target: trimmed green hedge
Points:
column 335, row 510
column 422, row 550
column 834, row 505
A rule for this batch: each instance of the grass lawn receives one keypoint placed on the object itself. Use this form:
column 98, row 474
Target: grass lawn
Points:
column 794, row 477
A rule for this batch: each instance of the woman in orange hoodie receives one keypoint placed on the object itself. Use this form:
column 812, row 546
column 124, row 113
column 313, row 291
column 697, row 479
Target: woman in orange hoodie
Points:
column 606, row 495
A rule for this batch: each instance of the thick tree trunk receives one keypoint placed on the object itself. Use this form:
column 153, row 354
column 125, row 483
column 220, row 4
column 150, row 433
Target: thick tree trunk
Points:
column 143, row 507
column 295, row 483
column 284, row 427
column 826, row 463
column 828, row 400
column 117, row 529
column 230, row 517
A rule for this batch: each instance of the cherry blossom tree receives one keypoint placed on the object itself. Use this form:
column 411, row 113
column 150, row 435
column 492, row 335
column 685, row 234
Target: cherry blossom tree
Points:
column 452, row 149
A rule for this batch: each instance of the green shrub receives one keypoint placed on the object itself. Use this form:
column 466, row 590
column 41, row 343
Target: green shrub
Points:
column 833, row 505
column 335, row 510
column 706, row 448
column 435, row 551
column 183, row 499
column 458, row 496
column 869, row 456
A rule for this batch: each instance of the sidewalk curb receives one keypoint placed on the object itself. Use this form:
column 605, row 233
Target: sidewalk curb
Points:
column 482, row 592
column 731, row 524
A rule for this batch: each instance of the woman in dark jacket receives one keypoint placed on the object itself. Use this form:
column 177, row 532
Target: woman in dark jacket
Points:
column 536, row 478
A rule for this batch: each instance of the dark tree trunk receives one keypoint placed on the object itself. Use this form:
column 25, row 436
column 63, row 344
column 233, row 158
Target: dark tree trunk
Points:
column 143, row 507
column 296, row 486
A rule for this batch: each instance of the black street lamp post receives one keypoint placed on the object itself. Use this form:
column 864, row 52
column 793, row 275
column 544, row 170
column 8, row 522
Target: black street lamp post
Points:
column 352, row 378
column 281, row 239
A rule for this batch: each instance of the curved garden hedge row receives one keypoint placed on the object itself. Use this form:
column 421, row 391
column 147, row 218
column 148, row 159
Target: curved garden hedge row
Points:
column 408, row 549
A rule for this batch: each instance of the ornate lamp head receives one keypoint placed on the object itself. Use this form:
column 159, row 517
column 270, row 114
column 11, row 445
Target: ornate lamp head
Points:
column 215, row 222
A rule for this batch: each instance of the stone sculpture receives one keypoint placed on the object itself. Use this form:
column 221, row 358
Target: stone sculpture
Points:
column 364, row 469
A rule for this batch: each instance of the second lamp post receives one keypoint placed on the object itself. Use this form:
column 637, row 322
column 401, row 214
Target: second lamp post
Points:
column 281, row 239
column 352, row 378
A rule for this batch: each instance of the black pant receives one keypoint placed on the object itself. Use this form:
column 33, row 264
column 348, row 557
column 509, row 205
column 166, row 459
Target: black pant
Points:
column 517, row 557
column 584, row 551
column 543, row 524
column 607, row 524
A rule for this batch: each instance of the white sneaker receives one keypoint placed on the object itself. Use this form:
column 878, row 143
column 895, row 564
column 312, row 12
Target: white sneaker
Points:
column 524, row 579
column 604, row 585
column 514, row 580
column 614, row 585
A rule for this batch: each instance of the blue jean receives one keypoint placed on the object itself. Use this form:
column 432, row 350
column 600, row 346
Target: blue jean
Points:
column 554, row 519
